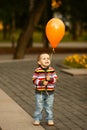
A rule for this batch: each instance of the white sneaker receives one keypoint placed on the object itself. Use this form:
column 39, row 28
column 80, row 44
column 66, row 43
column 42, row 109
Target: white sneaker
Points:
column 50, row 122
column 36, row 123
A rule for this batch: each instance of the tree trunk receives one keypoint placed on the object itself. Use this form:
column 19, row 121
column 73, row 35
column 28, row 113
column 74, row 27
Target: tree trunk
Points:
column 46, row 17
column 26, row 35
column 13, row 30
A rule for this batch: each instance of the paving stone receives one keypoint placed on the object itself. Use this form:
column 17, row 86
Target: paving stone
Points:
column 75, row 71
column 13, row 117
column 70, row 105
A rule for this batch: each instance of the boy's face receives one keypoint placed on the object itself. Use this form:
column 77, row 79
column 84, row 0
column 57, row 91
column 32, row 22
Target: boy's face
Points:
column 44, row 60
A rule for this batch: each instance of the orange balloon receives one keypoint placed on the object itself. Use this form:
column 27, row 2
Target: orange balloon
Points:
column 55, row 30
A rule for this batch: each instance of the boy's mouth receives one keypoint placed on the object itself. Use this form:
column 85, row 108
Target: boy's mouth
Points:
column 47, row 63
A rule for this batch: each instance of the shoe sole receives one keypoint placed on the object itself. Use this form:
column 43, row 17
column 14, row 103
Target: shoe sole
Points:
column 50, row 124
column 36, row 124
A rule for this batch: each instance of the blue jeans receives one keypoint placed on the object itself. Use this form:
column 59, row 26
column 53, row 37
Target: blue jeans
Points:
column 44, row 101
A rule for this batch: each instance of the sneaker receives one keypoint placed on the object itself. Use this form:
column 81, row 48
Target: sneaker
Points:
column 50, row 122
column 36, row 123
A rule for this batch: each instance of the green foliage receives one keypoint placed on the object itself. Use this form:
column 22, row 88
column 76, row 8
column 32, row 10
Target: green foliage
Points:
column 72, row 11
column 37, row 37
column 67, row 37
column 8, row 39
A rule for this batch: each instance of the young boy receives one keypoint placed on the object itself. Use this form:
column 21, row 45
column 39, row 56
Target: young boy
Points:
column 44, row 79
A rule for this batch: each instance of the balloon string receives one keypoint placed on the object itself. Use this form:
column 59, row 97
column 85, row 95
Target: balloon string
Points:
column 53, row 52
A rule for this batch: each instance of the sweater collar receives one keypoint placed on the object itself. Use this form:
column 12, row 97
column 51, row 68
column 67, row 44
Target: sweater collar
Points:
column 44, row 68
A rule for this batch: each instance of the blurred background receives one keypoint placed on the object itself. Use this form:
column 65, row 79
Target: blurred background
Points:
column 22, row 23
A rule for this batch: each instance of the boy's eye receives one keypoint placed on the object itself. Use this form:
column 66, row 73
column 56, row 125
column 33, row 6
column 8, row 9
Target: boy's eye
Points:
column 46, row 58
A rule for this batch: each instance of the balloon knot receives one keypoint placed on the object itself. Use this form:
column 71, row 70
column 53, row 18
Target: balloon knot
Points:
column 53, row 50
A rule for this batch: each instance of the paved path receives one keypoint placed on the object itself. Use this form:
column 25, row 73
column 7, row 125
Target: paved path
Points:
column 66, row 47
column 13, row 117
column 62, row 44
column 70, row 106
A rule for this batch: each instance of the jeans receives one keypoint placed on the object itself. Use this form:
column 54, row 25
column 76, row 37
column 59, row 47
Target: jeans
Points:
column 44, row 101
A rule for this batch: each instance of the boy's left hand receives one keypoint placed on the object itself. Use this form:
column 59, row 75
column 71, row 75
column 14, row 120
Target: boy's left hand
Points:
column 48, row 78
column 45, row 82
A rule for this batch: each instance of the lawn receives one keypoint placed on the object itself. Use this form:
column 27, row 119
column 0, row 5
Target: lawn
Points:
column 37, row 37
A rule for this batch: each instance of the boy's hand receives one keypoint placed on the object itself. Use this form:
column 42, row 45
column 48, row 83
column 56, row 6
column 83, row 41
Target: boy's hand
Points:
column 48, row 78
column 45, row 83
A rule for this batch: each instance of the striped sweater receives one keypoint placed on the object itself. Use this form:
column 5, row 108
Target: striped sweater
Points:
column 40, row 75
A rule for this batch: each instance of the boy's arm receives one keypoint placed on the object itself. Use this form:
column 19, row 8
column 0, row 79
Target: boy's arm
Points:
column 37, row 81
column 53, row 77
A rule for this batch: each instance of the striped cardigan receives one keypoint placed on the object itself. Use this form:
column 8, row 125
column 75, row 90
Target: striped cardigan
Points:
column 40, row 75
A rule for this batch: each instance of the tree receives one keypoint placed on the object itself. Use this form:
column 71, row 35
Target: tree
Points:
column 35, row 12
column 45, row 17
column 28, row 14
column 75, row 11
column 10, row 12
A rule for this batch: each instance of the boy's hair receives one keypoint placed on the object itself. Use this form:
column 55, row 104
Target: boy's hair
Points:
column 38, row 58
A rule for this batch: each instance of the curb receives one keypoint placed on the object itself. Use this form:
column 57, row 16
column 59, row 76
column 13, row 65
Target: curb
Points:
column 36, row 50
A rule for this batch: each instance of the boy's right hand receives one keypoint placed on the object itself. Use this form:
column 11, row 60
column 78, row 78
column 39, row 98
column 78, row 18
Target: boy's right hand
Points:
column 48, row 78
column 45, row 83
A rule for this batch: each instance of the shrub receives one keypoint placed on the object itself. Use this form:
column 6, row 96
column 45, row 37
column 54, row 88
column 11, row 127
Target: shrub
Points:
column 76, row 61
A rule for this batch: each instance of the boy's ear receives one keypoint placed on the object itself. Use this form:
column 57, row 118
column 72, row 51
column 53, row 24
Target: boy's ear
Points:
column 39, row 62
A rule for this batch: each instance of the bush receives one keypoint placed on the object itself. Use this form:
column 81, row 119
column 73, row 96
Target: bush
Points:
column 76, row 61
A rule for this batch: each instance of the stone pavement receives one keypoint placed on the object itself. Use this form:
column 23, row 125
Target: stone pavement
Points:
column 63, row 47
column 70, row 105
column 13, row 117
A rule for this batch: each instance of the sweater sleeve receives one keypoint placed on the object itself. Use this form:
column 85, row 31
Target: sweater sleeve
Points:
column 36, row 80
column 54, row 77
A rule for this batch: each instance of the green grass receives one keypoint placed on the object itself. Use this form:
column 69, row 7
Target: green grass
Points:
column 37, row 37
column 67, row 38
column 8, row 39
